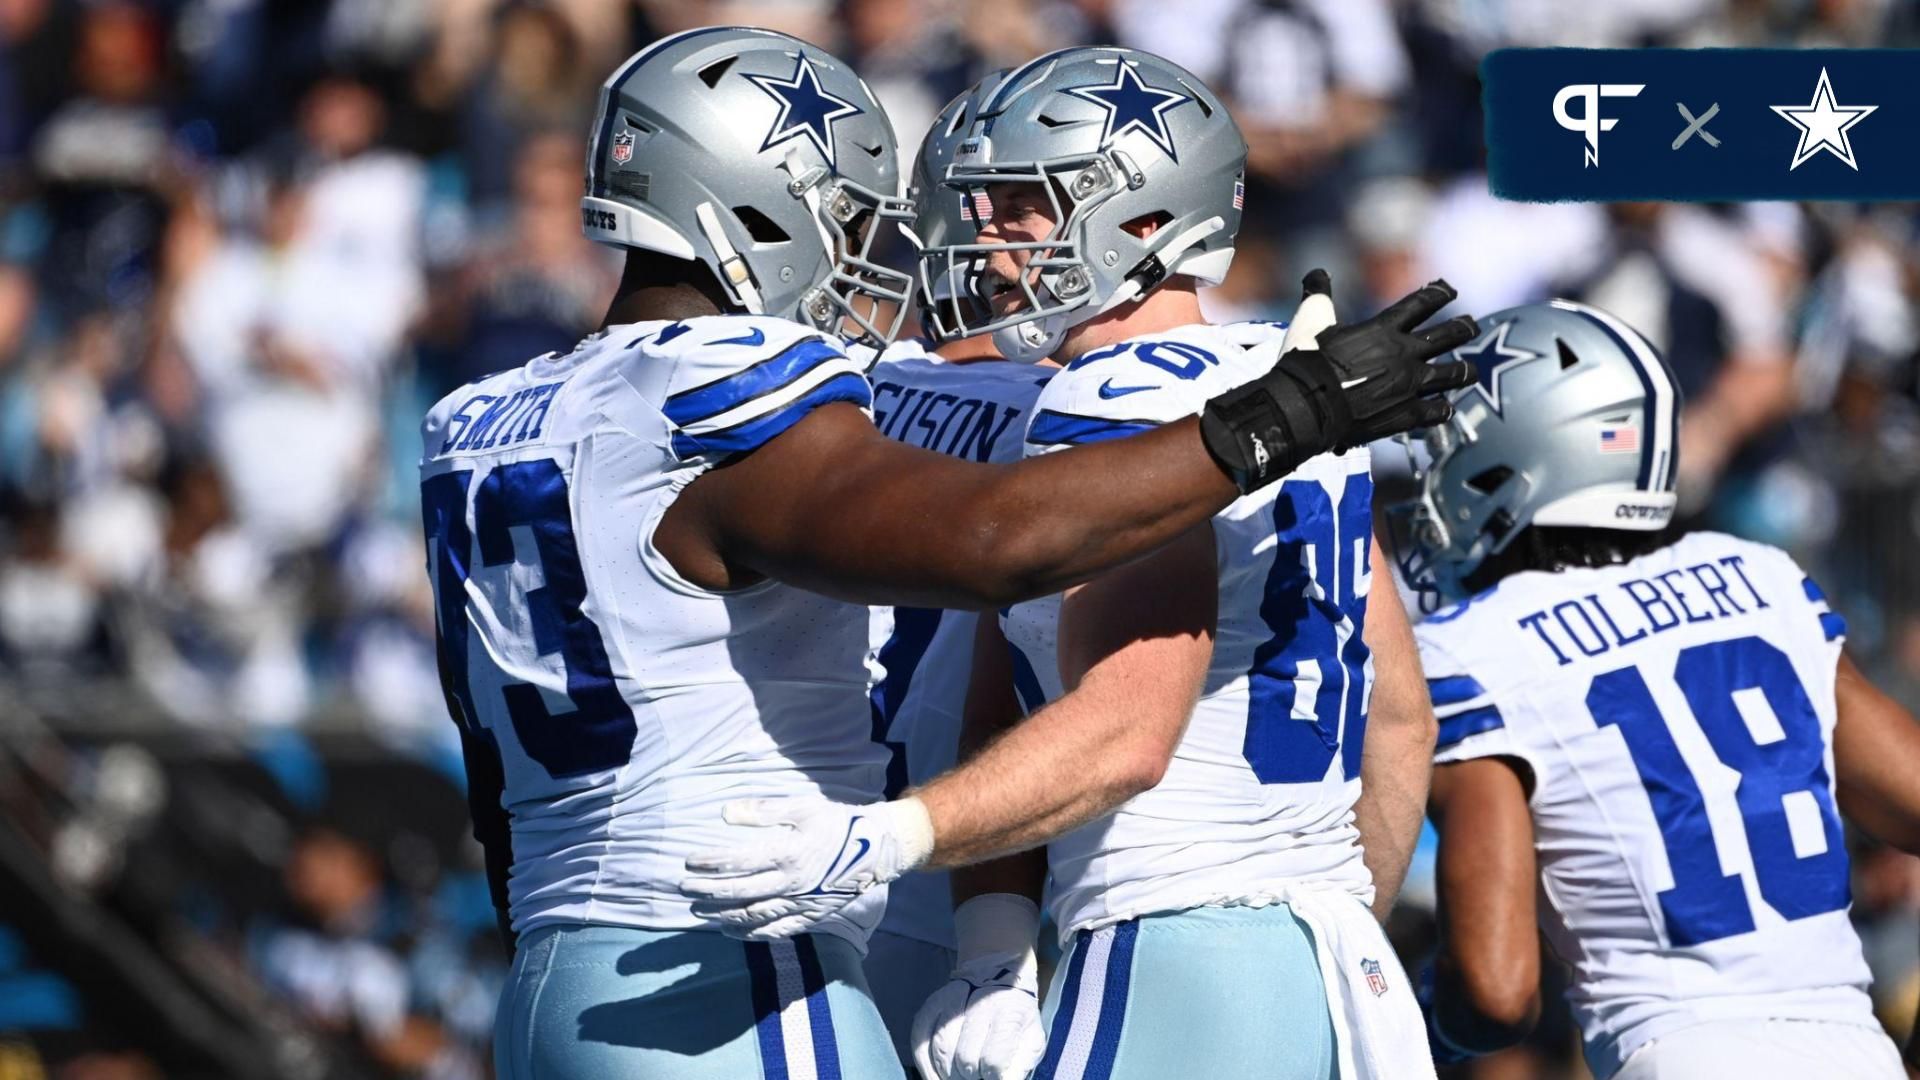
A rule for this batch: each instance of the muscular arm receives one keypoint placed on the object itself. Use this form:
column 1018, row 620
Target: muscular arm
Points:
column 1487, row 973
column 1398, row 755
column 1134, row 648
column 1876, row 759
column 834, row 506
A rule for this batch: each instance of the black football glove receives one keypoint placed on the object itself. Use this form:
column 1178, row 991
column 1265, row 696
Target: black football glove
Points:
column 1362, row 382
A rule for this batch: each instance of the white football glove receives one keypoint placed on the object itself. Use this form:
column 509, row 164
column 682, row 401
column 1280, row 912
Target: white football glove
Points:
column 805, row 860
column 985, row 1023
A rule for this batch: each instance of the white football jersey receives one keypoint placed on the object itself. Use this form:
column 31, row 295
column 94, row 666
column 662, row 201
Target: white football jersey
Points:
column 923, row 656
column 1261, row 788
column 625, row 704
column 1677, row 714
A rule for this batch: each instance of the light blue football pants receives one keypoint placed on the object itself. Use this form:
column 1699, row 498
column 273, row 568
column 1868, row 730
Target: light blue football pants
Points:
column 614, row 1002
column 1222, row 993
column 904, row 972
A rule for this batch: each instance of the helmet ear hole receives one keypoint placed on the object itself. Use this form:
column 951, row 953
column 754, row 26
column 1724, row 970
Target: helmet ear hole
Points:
column 1488, row 481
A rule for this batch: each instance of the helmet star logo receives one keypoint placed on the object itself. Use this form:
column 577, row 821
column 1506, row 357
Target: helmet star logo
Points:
column 806, row 110
column 1491, row 357
column 1132, row 105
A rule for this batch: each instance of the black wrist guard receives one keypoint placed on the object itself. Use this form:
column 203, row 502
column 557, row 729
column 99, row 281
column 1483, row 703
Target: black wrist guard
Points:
column 1261, row 431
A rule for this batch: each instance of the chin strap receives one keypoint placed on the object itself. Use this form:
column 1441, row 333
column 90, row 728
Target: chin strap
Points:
column 735, row 277
column 1160, row 264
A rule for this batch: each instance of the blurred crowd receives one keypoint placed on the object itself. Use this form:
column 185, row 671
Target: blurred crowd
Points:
column 245, row 243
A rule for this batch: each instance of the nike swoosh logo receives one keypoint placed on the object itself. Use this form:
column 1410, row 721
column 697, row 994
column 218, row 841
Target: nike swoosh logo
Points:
column 752, row 337
column 1108, row 391
column 834, row 868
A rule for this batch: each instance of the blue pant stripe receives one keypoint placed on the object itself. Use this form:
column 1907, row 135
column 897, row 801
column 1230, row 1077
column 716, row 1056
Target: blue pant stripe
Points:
column 1063, row 1019
column 1113, row 1002
column 765, row 982
column 826, row 1053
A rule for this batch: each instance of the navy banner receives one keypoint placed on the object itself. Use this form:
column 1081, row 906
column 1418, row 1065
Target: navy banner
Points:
column 1703, row 124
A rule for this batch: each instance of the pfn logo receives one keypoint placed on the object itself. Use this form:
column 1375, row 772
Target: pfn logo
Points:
column 1589, row 122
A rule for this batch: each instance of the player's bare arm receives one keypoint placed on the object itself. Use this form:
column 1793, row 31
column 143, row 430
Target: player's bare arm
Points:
column 1134, row 647
column 1876, row 758
column 1486, row 989
column 833, row 505
column 1109, row 739
column 1398, row 755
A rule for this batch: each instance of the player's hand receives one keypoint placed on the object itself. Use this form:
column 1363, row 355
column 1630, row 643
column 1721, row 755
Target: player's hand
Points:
column 801, row 860
column 1356, row 383
column 1382, row 363
column 985, row 1023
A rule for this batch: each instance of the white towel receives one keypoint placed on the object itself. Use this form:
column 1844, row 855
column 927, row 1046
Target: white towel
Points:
column 1377, row 1028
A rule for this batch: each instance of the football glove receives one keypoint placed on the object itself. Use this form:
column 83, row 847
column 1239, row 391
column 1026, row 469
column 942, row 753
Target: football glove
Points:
column 985, row 1023
column 1358, row 383
column 809, row 858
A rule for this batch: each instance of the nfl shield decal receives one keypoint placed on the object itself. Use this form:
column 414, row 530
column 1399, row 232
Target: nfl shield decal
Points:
column 622, row 147
column 1376, row 980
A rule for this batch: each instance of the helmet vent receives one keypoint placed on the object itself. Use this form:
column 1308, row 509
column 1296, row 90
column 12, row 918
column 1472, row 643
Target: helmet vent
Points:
column 872, row 151
column 1047, row 120
column 1488, row 481
column 760, row 226
column 959, row 117
column 1567, row 355
column 712, row 72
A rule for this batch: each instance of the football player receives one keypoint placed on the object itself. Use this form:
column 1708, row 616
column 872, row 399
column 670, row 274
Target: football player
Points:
column 958, row 396
column 1197, row 770
column 642, row 553
column 1653, row 735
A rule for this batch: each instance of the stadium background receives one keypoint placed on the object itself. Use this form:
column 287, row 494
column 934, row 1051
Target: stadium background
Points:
column 244, row 243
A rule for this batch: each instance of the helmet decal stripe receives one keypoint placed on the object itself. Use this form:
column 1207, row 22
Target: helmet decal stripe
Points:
column 1657, row 423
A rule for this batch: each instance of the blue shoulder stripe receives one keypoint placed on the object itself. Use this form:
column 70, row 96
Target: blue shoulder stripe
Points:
column 1833, row 624
column 1472, row 722
column 1813, row 590
column 761, row 429
column 1051, row 428
column 1454, row 689
column 781, row 369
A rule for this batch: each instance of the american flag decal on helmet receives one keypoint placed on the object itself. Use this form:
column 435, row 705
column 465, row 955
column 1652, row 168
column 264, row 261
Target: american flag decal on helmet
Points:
column 976, row 206
column 1619, row 440
column 1239, row 193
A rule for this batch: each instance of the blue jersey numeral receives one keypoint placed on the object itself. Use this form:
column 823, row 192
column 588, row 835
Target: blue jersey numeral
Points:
column 1705, row 905
column 532, row 495
column 899, row 658
column 1313, row 606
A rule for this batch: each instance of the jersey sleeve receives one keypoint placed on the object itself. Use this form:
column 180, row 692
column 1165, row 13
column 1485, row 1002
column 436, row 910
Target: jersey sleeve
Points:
column 1471, row 719
column 1112, row 393
column 739, row 381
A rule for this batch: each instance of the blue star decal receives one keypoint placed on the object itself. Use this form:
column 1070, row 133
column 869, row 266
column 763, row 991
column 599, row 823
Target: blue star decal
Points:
column 805, row 109
column 1132, row 105
column 1490, row 356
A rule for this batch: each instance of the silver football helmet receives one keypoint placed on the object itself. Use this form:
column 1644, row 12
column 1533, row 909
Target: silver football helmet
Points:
column 1574, row 421
column 763, row 157
column 1113, row 135
column 941, row 215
